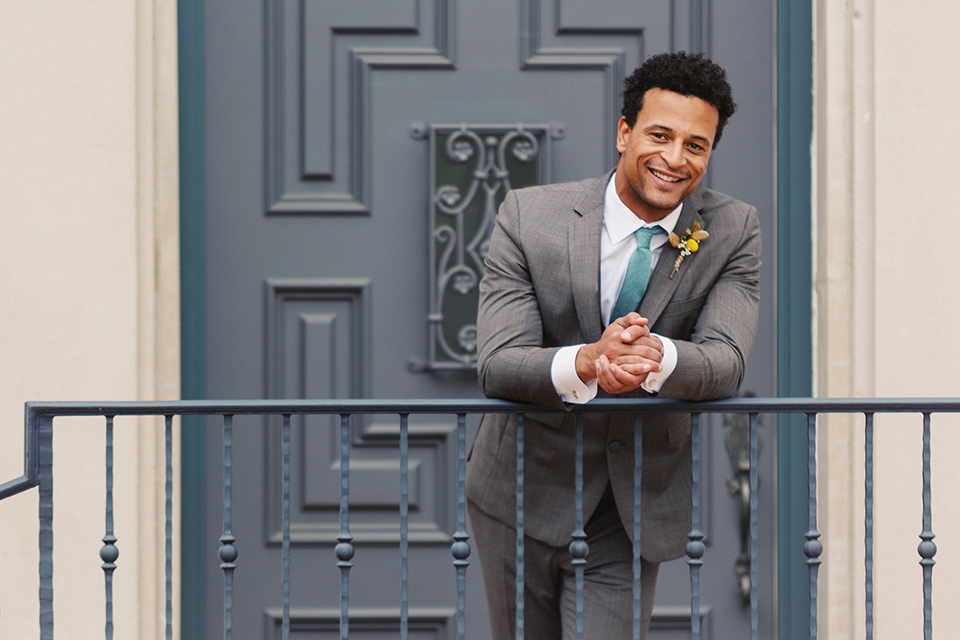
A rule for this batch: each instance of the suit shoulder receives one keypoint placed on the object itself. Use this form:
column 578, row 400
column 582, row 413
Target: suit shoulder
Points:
column 728, row 219
column 575, row 186
column 722, row 204
column 719, row 207
column 560, row 193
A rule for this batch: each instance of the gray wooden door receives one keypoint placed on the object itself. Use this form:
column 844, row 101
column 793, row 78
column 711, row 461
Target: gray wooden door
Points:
column 318, row 275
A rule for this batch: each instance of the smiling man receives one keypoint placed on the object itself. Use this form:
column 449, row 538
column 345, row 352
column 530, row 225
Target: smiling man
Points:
column 636, row 283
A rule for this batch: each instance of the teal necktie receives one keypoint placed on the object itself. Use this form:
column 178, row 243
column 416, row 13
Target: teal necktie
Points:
column 638, row 272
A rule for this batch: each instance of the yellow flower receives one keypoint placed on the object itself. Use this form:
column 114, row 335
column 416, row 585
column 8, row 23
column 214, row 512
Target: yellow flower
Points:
column 688, row 243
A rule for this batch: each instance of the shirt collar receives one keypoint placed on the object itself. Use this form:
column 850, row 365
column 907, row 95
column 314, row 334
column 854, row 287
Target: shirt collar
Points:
column 621, row 223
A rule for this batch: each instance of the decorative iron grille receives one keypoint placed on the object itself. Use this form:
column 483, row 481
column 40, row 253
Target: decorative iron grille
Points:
column 471, row 169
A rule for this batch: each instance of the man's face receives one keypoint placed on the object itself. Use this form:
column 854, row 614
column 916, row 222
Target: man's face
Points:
column 665, row 154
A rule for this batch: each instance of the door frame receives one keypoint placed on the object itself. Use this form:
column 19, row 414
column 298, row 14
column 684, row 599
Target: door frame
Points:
column 192, row 317
column 794, row 312
column 794, row 124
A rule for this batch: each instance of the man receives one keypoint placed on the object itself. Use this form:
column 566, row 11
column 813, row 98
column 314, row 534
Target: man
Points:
column 563, row 312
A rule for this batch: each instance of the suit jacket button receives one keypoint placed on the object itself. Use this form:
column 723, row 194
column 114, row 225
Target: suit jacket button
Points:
column 614, row 446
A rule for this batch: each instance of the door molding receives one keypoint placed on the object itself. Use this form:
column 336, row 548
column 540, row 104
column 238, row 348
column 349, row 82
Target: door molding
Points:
column 794, row 242
column 192, row 294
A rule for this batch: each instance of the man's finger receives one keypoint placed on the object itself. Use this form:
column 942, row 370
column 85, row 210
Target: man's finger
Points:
column 639, row 369
column 631, row 319
column 615, row 379
column 639, row 354
column 634, row 332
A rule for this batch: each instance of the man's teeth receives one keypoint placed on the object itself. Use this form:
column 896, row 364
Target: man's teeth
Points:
column 664, row 176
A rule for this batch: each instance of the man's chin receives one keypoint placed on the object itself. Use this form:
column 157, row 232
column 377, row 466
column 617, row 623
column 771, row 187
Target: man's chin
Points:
column 663, row 206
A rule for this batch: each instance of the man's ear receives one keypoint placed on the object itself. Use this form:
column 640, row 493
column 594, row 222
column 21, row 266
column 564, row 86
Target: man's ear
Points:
column 623, row 133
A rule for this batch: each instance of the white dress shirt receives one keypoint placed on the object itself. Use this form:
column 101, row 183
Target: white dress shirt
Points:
column 617, row 244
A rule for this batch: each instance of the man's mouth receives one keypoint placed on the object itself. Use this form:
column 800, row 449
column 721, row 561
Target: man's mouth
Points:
column 665, row 177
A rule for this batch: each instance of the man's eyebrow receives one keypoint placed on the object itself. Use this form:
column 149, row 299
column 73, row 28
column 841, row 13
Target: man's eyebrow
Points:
column 664, row 127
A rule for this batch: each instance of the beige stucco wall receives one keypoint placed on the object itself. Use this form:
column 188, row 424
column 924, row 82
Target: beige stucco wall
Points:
column 89, row 280
column 886, row 296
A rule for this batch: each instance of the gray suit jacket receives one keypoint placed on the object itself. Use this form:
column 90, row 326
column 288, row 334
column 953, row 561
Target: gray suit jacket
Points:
column 541, row 292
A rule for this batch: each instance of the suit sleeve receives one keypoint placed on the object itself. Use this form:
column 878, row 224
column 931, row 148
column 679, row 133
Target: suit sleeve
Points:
column 712, row 362
column 512, row 362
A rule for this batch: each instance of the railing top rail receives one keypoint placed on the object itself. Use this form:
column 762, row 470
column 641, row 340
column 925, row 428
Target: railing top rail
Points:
column 37, row 412
column 453, row 406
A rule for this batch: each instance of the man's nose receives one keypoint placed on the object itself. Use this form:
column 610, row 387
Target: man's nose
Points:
column 673, row 154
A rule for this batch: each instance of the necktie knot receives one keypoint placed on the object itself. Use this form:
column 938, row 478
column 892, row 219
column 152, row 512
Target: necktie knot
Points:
column 644, row 234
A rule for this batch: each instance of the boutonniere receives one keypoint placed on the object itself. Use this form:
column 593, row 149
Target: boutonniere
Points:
column 688, row 243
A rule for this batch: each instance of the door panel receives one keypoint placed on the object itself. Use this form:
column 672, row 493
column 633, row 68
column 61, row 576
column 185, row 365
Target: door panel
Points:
column 318, row 271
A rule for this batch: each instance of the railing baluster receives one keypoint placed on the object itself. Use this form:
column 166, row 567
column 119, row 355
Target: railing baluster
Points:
column 579, row 547
column 228, row 551
column 812, row 547
column 927, row 548
column 637, row 533
column 520, row 547
column 404, row 525
column 695, row 548
column 109, row 552
column 461, row 546
column 168, row 523
column 868, row 523
column 754, row 528
column 285, row 552
column 45, row 482
column 344, row 548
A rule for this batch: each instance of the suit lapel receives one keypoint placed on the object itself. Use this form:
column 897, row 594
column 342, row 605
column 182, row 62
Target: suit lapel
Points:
column 661, row 286
column 583, row 245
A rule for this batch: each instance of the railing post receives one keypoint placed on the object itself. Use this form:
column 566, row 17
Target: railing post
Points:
column 168, row 524
column 695, row 548
column 868, row 524
column 579, row 547
column 109, row 552
column 344, row 549
column 520, row 547
column 404, row 525
column 812, row 547
column 637, row 528
column 45, row 482
column 285, row 552
column 228, row 551
column 754, row 528
column 461, row 548
column 927, row 548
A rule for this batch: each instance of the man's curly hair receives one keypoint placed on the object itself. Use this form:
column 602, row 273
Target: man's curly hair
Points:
column 689, row 74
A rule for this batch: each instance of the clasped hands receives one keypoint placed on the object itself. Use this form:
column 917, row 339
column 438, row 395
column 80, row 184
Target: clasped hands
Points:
column 623, row 357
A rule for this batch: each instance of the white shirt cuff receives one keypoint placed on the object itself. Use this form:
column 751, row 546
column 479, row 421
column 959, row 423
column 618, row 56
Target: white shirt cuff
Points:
column 668, row 363
column 569, row 386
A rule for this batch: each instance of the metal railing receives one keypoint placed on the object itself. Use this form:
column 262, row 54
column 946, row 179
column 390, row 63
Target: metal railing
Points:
column 38, row 472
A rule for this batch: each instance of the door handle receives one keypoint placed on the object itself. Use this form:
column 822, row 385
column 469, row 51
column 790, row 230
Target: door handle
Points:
column 737, row 440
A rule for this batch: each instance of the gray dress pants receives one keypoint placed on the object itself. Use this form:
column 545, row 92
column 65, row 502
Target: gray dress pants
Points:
column 550, row 585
